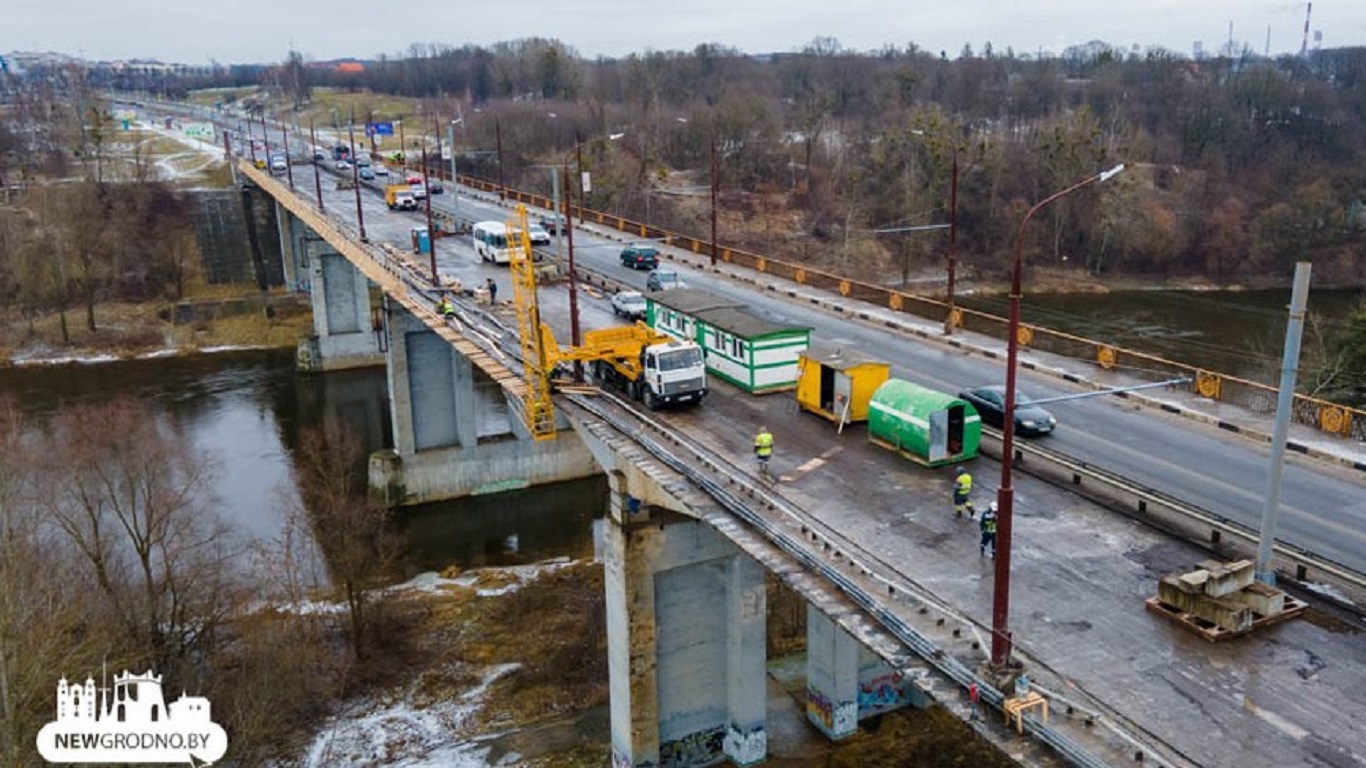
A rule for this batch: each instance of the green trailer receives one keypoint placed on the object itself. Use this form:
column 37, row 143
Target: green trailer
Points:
column 751, row 352
column 929, row 427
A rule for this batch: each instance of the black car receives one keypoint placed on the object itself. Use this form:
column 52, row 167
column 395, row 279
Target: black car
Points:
column 640, row 256
column 990, row 403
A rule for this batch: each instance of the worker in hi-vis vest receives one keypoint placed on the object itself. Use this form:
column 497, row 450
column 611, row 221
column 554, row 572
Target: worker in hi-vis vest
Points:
column 962, row 493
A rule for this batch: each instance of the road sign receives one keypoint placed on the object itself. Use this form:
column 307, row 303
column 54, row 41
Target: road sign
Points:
column 379, row 129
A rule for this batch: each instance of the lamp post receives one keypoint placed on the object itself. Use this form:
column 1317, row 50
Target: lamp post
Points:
column 427, row 193
column 1005, row 496
column 569, row 225
column 317, row 174
column 455, row 180
column 355, row 178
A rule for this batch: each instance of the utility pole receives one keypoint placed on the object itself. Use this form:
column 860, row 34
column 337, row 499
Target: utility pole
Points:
column 355, row 177
column 502, row 183
column 289, row 167
column 431, row 231
column 1285, row 405
column 953, row 242
column 317, row 173
column 714, row 184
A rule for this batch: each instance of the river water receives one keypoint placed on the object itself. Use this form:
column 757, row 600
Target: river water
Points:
column 1235, row 332
column 245, row 410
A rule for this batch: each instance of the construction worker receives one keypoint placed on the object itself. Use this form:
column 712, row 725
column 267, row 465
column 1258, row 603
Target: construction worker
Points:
column 988, row 526
column 763, row 448
column 445, row 306
column 962, row 494
column 493, row 292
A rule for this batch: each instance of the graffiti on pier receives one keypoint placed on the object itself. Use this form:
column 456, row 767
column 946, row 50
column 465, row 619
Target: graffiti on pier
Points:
column 835, row 718
column 819, row 709
column 621, row 760
column 882, row 693
column 698, row 748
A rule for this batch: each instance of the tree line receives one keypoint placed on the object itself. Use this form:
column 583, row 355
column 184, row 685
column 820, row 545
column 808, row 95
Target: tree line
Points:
column 1238, row 165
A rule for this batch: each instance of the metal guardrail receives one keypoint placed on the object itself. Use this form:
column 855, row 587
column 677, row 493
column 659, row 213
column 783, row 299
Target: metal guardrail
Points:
column 1145, row 496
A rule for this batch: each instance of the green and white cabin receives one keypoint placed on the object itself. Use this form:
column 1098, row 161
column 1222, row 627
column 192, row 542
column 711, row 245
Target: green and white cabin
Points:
column 748, row 351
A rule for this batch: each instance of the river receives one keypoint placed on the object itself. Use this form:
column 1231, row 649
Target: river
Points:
column 1236, row 332
column 245, row 410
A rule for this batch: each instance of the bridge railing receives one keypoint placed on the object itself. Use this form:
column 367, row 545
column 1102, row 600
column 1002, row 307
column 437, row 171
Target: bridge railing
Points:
column 1323, row 415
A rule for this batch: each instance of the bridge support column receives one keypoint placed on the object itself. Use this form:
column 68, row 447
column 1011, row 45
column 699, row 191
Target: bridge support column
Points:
column 831, row 676
column 846, row 682
column 294, row 248
column 454, row 432
column 686, row 629
column 343, row 325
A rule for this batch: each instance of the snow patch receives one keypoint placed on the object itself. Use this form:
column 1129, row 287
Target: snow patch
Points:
column 397, row 735
column 1328, row 590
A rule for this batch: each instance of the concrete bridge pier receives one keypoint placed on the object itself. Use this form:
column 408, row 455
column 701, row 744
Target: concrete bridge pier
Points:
column 846, row 682
column 686, row 613
column 454, row 432
column 344, row 329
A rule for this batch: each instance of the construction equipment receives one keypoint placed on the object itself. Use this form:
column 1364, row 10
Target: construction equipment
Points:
column 648, row 365
column 538, row 408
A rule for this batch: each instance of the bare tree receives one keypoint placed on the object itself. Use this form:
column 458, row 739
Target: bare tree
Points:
column 352, row 531
column 47, row 619
column 134, row 500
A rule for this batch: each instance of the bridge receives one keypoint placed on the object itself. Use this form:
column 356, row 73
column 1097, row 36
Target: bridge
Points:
column 898, row 598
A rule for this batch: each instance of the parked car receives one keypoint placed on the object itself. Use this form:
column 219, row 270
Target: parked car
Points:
column 552, row 222
column 319, row 155
column 990, row 402
column 640, row 256
column 629, row 304
column 342, row 165
column 538, row 235
column 435, row 185
column 663, row 280
column 419, row 191
column 380, row 170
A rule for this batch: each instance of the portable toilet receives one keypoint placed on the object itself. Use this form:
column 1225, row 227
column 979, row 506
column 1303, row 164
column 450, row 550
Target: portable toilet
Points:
column 422, row 242
column 838, row 383
column 926, row 426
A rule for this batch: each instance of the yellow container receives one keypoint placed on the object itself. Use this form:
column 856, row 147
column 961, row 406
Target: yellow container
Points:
column 838, row 383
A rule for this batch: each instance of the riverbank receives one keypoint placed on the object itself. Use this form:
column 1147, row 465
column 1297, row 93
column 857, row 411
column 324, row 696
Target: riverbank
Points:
column 208, row 318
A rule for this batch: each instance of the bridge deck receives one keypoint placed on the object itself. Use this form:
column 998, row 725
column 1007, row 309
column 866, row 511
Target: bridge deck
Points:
column 1285, row 698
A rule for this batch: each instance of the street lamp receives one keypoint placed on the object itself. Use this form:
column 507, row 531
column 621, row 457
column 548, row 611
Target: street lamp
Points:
column 455, row 180
column 1005, row 495
column 355, row 174
column 569, row 226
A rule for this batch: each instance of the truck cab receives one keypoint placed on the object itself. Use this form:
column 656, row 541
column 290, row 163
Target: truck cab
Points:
column 674, row 372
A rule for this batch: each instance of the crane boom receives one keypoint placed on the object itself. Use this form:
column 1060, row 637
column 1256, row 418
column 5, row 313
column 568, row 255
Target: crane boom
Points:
column 537, row 406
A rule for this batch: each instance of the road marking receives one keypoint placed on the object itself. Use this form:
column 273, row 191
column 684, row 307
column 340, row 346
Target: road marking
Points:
column 812, row 464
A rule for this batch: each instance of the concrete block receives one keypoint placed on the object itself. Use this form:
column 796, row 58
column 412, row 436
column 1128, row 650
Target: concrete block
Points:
column 1192, row 583
column 1223, row 612
column 1262, row 599
column 1173, row 591
column 1227, row 578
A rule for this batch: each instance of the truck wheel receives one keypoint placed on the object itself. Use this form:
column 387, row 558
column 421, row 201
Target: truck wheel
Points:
column 651, row 402
column 634, row 390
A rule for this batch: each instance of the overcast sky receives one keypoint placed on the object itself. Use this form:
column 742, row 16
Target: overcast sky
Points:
column 195, row 31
